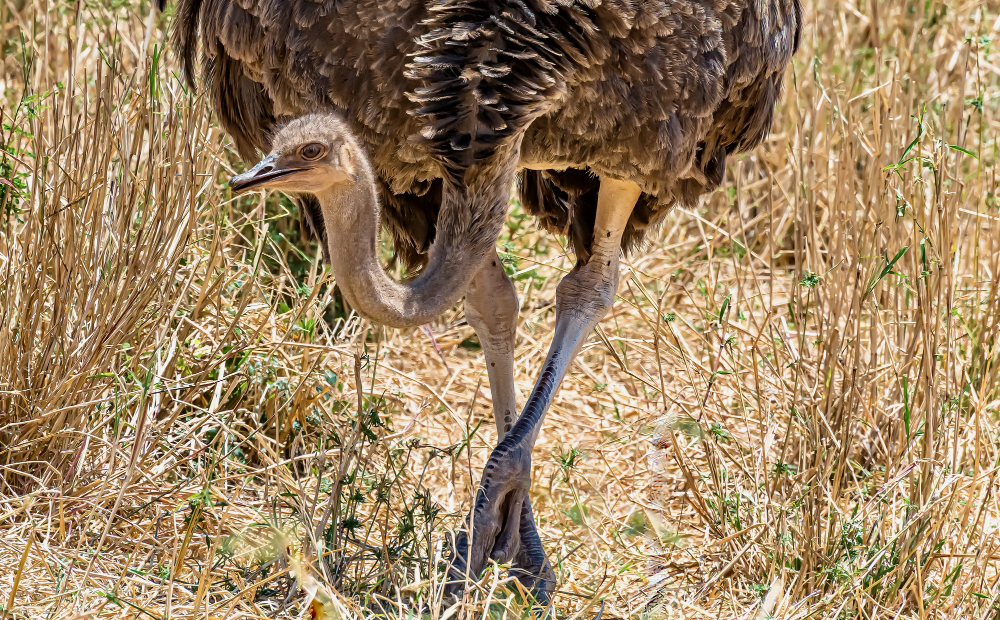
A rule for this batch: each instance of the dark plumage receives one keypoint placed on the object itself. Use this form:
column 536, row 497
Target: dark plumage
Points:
column 654, row 91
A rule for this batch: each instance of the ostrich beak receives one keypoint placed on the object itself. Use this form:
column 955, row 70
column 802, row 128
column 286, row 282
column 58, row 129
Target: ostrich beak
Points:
column 261, row 174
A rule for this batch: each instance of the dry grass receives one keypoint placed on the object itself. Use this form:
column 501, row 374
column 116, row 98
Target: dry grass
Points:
column 187, row 424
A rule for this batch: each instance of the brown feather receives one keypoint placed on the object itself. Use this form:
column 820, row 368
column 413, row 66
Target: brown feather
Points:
column 656, row 91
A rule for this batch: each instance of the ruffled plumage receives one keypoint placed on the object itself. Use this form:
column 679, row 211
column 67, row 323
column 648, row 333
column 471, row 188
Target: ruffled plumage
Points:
column 655, row 91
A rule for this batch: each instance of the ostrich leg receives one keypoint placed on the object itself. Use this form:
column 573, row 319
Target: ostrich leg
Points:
column 583, row 297
column 491, row 309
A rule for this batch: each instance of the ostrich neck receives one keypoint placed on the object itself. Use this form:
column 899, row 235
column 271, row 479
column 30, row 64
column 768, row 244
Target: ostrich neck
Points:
column 352, row 217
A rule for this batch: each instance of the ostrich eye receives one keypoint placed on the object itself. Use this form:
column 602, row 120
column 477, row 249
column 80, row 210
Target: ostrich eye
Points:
column 311, row 151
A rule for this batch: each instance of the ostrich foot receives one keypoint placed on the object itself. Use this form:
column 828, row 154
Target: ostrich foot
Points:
column 496, row 518
column 531, row 566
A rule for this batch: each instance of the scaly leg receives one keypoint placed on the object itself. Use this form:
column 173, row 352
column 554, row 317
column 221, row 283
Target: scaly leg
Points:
column 583, row 297
column 491, row 309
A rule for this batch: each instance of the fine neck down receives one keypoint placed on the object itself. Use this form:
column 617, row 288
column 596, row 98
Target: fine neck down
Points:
column 352, row 217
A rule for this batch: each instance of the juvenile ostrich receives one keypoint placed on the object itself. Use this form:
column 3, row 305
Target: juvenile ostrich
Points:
column 612, row 111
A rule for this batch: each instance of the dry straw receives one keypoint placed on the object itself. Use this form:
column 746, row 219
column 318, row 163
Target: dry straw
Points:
column 791, row 411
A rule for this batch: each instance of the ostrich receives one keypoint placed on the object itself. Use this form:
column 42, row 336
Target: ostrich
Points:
column 606, row 112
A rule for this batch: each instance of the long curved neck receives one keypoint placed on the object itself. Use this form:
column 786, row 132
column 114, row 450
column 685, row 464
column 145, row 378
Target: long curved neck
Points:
column 352, row 217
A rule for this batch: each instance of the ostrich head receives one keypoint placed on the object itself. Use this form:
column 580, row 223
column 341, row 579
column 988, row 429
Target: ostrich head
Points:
column 319, row 155
column 310, row 155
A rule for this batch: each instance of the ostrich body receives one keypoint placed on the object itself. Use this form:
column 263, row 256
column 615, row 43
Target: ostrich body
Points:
column 608, row 113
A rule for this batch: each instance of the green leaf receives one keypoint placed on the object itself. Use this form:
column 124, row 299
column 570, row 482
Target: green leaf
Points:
column 886, row 270
column 955, row 147
column 913, row 143
column 577, row 514
column 725, row 308
column 637, row 524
